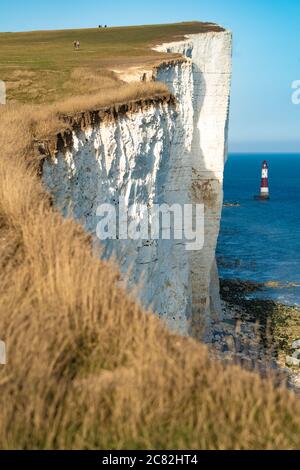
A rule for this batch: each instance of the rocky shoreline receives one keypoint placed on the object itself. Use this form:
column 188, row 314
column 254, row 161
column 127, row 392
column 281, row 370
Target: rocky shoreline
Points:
column 257, row 333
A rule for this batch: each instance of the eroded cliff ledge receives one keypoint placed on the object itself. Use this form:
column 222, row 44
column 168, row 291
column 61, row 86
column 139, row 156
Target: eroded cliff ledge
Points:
column 169, row 150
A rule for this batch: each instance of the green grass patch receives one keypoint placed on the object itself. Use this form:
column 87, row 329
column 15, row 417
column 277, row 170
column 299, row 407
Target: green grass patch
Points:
column 38, row 65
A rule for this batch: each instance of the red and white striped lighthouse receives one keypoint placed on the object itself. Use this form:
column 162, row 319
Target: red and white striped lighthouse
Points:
column 264, row 186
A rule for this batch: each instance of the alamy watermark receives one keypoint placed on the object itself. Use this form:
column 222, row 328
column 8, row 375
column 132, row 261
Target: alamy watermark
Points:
column 2, row 92
column 296, row 93
column 159, row 222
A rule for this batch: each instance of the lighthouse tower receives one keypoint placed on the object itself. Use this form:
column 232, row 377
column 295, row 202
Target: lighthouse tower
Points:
column 264, row 186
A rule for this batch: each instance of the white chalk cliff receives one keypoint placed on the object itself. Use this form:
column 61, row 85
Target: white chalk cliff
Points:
column 158, row 152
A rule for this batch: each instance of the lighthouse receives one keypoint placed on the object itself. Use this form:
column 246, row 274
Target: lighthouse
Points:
column 264, row 186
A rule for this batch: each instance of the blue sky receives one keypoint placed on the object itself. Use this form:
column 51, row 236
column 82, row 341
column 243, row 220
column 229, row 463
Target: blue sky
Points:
column 266, row 55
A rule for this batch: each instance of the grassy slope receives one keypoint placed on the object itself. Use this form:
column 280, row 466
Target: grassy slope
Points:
column 42, row 66
column 87, row 368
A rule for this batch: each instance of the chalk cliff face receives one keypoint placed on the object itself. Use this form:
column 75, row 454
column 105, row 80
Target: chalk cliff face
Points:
column 156, row 152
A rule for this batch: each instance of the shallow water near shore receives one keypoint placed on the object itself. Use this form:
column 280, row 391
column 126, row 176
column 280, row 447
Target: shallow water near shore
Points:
column 260, row 240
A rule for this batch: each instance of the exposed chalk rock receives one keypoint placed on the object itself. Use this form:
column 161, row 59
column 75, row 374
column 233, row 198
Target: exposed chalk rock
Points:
column 161, row 153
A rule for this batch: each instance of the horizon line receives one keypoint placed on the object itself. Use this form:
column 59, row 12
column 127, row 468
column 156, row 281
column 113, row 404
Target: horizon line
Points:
column 264, row 153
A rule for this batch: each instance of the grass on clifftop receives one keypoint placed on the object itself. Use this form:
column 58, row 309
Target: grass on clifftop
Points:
column 42, row 66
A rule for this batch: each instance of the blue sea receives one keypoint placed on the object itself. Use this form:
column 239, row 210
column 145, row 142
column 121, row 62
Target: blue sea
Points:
column 260, row 240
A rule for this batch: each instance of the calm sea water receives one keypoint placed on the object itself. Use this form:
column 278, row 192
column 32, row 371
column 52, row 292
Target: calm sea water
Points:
column 260, row 240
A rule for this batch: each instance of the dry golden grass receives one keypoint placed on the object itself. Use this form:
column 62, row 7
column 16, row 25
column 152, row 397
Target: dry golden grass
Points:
column 39, row 121
column 87, row 368
column 121, row 94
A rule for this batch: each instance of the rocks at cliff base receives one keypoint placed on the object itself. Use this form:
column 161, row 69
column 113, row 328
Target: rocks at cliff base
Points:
column 296, row 344
column 231, row 204
column 259, row 334
column 294, row 359
column 296, row 354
